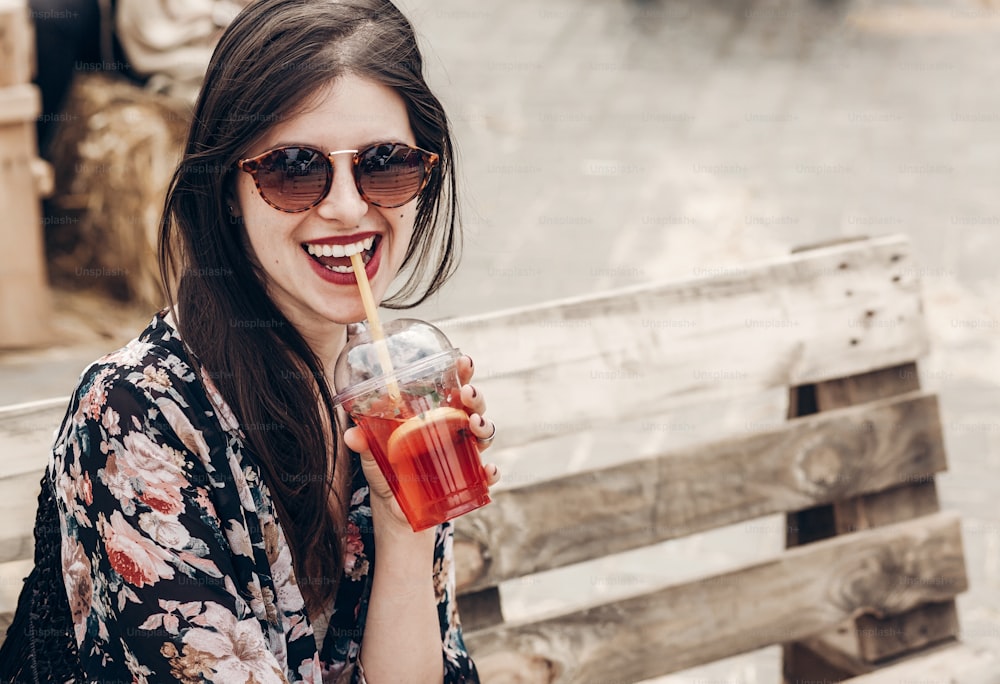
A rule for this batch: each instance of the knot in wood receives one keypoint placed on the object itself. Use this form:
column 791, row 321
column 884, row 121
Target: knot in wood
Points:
column 510, row 665
column 866, row 582
column 826, row 463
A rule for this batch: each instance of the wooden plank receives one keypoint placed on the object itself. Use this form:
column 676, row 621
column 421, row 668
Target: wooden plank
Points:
column 480, row 609
column 20, row 104
column 805, row 590
column 27, row 431
column 864, row 387
column 803, row 664
column 912, row 499
column 930, row 623
column 16, row 43
column 647, row 349
column 595, row 513
column 950, row 664
column 818, row 523
column 917, row 496
column 878, row 638
column 18, row 504
column 24, row 294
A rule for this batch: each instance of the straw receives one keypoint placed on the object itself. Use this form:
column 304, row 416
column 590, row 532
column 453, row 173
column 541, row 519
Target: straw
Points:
column 378, row 336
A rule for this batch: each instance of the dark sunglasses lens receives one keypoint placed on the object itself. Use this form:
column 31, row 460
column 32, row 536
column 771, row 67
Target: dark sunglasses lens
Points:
column 391, row 175
column 294, row 178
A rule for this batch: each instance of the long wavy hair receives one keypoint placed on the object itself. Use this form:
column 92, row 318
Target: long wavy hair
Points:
column 269, row 62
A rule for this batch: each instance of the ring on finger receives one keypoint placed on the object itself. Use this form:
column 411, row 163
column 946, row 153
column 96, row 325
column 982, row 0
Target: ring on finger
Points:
column 484, row 441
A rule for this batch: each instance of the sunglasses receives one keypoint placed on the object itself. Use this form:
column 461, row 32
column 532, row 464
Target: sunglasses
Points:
column 297, row 178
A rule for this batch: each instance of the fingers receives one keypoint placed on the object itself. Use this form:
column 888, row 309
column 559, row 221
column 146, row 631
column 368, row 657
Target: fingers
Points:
column 355, row 440
column 483, row 428
column 492, row 474
column 473, row 399
column 465, row 369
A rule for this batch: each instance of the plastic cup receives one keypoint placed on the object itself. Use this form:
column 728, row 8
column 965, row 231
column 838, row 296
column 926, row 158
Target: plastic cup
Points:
column 421, row 442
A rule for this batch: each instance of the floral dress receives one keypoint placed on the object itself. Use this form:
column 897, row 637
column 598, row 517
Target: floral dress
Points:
column 175, row 565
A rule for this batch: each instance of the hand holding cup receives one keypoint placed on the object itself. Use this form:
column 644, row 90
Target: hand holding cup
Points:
column 480, row 426
column 420, row 425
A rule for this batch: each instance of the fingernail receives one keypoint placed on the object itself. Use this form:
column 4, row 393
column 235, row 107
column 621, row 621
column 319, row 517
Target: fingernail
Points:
column 482, row 422
column 473, row 392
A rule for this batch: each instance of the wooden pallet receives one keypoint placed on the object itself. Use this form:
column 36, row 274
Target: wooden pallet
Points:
column 786, row 387
column 796, row 383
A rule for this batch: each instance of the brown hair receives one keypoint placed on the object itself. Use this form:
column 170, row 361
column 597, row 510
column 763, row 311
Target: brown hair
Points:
column 270, row 60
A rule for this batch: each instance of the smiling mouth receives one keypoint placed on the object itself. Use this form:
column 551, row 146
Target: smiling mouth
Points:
column 337, row 258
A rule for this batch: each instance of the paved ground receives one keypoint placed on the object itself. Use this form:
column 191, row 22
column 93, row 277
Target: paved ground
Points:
column 609, row 142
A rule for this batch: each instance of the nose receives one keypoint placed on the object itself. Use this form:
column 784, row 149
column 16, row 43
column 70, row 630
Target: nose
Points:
column 343, row 204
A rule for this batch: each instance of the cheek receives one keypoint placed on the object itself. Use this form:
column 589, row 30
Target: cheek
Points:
column 403, row 221
column 260, row 225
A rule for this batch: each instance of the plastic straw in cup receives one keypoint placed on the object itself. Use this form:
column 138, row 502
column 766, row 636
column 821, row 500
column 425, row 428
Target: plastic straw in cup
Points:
column 378, row 336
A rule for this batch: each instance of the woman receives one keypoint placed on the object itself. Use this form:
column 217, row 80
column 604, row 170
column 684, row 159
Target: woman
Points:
column 215, row 523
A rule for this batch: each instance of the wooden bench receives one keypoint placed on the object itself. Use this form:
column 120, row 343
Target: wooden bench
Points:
column 666, row 411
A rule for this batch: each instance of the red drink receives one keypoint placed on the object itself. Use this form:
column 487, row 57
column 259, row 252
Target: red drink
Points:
column 431, row 462
column 404, row 394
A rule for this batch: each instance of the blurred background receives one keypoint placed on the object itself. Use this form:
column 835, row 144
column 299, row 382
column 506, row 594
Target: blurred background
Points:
column 607, row 143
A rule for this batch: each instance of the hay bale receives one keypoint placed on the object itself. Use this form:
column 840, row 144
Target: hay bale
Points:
column 113, row 155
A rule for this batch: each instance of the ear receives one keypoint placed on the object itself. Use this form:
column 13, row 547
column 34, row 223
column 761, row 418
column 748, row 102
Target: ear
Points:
column 232, row 203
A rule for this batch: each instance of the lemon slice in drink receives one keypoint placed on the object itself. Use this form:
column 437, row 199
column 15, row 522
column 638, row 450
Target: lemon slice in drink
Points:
column 409, row 437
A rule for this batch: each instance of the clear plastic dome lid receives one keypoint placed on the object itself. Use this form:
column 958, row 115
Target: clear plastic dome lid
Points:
column 409, row 342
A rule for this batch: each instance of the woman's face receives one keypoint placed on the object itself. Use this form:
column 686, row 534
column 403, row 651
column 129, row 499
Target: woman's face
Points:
column 315, row 293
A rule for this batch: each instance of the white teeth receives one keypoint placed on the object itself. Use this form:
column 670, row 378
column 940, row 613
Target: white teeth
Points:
column 340, row 250
column 366, row 257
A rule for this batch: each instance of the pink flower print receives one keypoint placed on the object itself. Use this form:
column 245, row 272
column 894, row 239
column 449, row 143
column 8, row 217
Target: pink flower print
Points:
column 93, row 401
column 226, row 417
column 165, row 530
column 154, row 378
column 85, row 489
column 289, row 597
column 233, row 650
column 353, row 543
column 110, row 422
column 77, row 482
column 156, row 468
column 204, row 503
column 355, row 564
column 137, row 559
column 79, row 584
column 129, row 356
column 188, row 434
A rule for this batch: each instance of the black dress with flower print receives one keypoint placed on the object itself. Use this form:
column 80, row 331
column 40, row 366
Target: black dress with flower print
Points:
column 175, row 566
